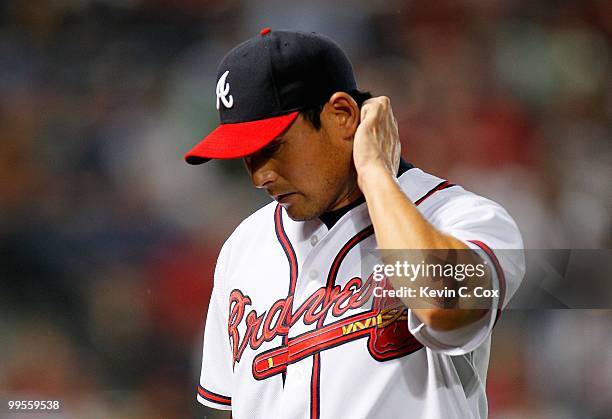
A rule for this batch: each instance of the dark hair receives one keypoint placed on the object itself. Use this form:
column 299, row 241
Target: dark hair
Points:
column 313, row 115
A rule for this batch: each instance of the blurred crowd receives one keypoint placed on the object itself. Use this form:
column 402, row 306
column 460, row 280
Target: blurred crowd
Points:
column 108, row 240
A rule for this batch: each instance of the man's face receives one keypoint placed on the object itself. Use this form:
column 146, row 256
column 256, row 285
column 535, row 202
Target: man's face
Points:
column 307, row 171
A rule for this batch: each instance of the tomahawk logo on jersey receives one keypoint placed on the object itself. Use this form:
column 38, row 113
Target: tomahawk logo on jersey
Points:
column 293, row 322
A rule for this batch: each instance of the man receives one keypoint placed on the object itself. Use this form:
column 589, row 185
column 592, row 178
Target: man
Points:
column 297, row 324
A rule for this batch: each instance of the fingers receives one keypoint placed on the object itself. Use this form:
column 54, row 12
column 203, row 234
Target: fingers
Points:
column 378, row 108
column 377, row 112
column 380, row 102
column 377, row 137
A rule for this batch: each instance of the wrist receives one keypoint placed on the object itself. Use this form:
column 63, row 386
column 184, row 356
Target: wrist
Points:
column 371, row 175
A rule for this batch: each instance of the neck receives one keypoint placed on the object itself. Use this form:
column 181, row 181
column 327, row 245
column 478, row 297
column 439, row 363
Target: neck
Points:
column 330, row 218
column 351, row 194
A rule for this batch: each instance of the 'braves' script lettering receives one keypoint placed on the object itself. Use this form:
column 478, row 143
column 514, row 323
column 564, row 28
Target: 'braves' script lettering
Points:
column 279, row 318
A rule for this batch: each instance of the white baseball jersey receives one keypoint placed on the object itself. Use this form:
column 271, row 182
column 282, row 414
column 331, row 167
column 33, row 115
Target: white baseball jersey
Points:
column 293, row 328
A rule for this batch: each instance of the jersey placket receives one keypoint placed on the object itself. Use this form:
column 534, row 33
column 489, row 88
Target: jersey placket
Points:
column 321, row 262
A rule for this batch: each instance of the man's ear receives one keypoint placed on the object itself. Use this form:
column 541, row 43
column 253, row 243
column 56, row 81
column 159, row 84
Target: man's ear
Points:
column 342, row 114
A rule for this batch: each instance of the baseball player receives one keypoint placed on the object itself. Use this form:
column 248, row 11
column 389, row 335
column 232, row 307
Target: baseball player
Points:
column 295, row 328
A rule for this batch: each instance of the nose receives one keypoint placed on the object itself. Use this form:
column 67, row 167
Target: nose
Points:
column 263, row 177
column 262, row 170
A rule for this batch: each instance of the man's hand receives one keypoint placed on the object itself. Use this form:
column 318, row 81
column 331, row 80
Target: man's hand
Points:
column 376, row 144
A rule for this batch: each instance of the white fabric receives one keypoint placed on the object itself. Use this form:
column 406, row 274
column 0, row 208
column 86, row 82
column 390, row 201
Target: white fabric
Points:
column 444, row 379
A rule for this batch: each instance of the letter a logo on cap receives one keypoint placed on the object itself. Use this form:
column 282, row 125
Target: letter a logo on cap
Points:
column 223, row 90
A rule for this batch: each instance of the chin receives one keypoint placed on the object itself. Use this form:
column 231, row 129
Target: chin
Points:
column 301, row 214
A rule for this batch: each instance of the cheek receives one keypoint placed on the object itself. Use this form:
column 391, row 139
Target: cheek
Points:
column 315, row 170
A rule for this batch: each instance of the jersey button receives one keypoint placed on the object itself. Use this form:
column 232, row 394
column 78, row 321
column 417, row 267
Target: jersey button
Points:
column 314, row 240
column 313, row 274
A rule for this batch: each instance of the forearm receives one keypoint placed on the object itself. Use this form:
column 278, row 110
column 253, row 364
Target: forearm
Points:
column 398, row 224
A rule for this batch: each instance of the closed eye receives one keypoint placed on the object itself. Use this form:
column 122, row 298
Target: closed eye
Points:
column 272, row 148
column 256, row 159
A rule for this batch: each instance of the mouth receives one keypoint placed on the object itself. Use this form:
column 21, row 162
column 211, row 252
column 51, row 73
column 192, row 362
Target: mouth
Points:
column 283, row 198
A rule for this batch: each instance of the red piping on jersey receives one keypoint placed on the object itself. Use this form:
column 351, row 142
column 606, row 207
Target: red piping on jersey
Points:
column 291, row 258
column 214, row 397
column 333, row 271
column 287, row 247
column 500, row 275
column 442, row 185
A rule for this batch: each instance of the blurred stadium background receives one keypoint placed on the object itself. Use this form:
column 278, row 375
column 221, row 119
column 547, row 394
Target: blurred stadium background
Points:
column 108, row 240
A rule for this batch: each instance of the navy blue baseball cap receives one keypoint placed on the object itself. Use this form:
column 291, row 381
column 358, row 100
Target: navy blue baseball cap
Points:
column 263, row 83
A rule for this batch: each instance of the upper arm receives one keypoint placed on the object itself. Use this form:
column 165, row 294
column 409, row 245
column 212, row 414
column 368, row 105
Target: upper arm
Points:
column 485, row 226
column 488, row 229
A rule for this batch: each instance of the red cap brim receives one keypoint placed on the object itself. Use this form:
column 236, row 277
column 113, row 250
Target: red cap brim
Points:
column 232, row 141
